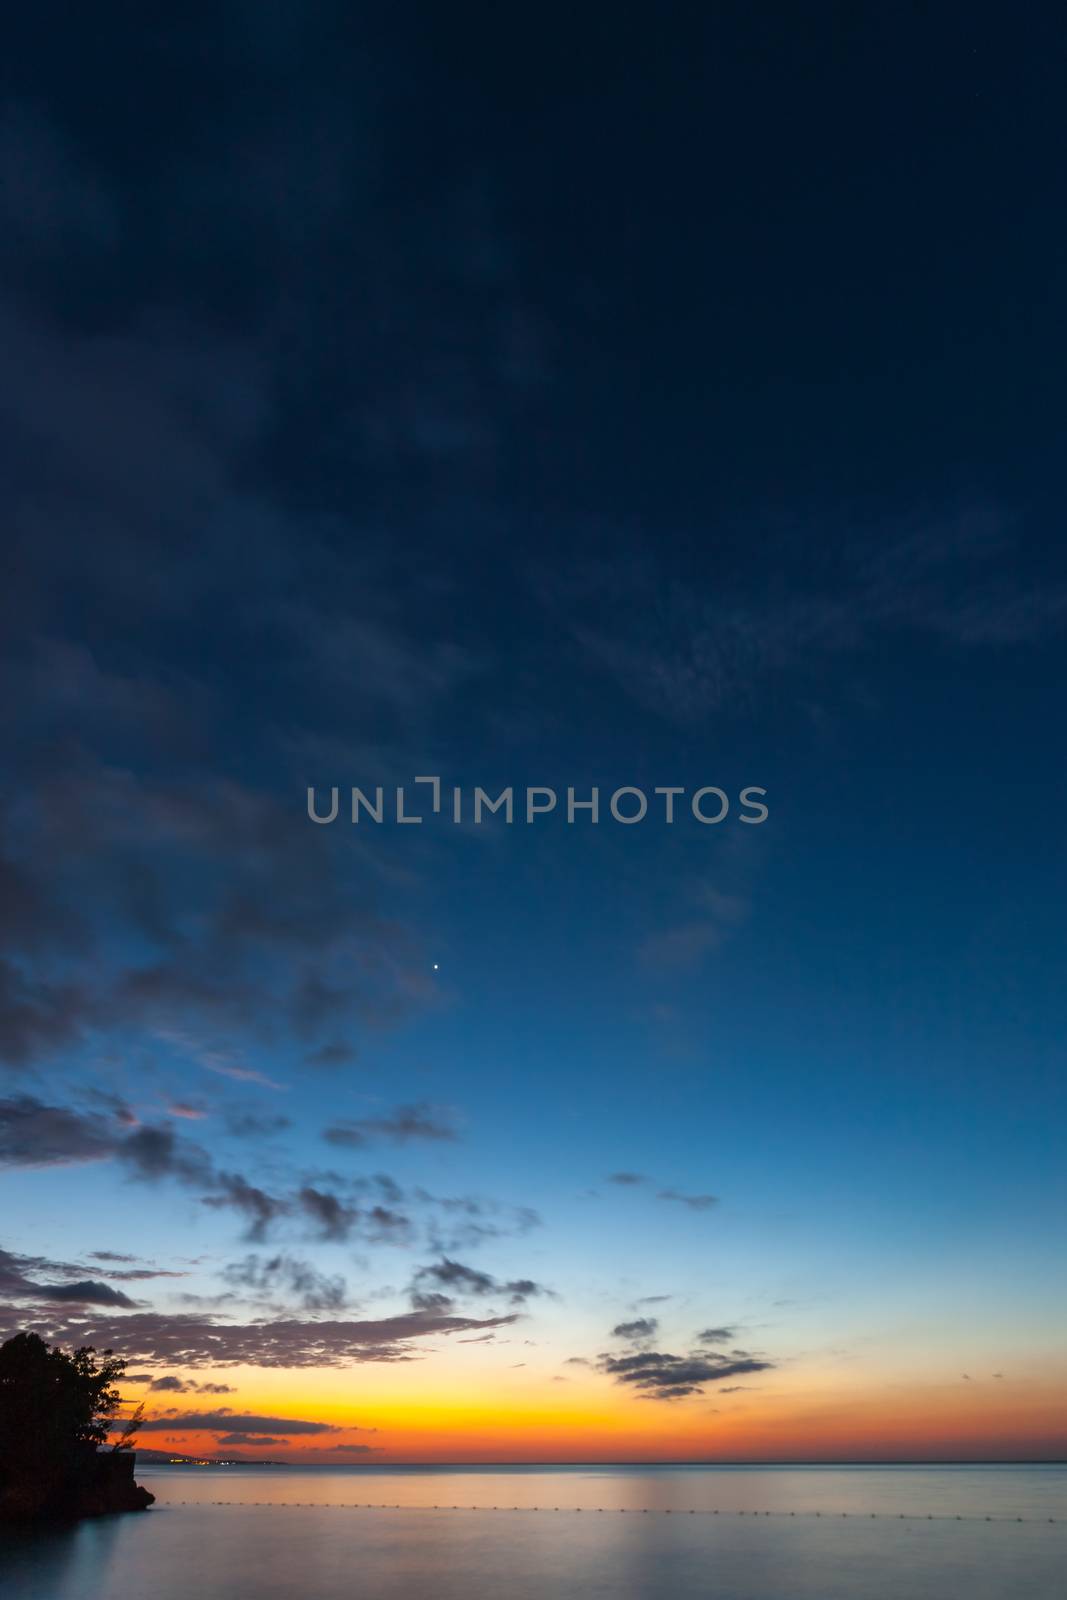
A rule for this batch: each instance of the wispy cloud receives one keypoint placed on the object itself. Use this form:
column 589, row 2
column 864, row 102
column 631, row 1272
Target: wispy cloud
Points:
column 635, row 1180
column 688, row 648
column 438, row 1285
column 694, row 1202
column 406, row 1123
column 711, row 917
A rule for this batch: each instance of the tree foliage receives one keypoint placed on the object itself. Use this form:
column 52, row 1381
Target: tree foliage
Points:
column 52, row 1405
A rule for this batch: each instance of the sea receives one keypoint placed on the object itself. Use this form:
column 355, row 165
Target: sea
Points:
column 530, row 1533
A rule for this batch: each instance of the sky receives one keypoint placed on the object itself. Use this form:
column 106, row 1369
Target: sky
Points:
column 541, row 402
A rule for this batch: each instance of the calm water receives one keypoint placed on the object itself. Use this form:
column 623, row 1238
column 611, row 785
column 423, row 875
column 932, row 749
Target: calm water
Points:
column 666, row 1533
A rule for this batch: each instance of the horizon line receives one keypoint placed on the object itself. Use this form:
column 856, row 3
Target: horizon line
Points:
column 865, row 1461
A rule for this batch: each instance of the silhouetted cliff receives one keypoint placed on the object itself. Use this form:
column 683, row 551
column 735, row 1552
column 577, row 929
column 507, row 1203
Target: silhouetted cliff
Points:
column 91, row 1483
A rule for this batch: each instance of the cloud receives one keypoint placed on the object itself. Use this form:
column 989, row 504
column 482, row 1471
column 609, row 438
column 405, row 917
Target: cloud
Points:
column 640, row 1328
column 236, row 1425
column 381, row 1225
column 189, row 1341
column 435, row 1284
column 454, row 1275
column 332, row 1217
column 84, row 1291
column 30, row 917
column 419, row 1121
column 686, row 650
column 142, row 1274
column 39, row 1016
column 712, row 918
column 282, row 1274
column 195, row 921
column 169, row 1384
column 259, row 1208
column 150, row 982
column 152, row 1153
column 255, row 1124
column 465, row 1221
column 716, row 1336
column 661, row 1376
column 633, row 1180
column 33, row 1134
column 695, row 1202
column 254, row 968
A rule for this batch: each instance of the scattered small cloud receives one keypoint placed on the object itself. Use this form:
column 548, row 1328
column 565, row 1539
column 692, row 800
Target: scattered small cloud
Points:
column 169, row 1384
column 255, row 1124
column 436, row 1285
column 640, row 1328
column 695, row 1202
column 285, row 1275
column 421, row 1121
column 662, row 1376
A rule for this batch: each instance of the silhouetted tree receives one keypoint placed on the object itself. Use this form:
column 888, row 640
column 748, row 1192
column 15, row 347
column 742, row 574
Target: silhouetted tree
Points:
column 55, row 1412
column 129, row 1428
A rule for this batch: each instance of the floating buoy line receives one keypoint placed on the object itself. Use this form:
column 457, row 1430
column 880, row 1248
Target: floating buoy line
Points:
column 631, row 1511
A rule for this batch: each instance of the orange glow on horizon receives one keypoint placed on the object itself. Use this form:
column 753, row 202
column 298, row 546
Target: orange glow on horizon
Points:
column 548, row 1422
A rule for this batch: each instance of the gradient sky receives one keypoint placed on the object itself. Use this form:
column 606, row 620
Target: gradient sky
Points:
column 557, row 399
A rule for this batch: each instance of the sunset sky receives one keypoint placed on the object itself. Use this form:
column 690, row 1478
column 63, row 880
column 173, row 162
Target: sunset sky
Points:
column 551, row 403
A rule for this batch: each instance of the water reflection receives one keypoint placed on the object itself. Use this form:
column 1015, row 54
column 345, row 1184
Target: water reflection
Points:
column 325, row 1553
column 328, row 1550
column 38, row 1563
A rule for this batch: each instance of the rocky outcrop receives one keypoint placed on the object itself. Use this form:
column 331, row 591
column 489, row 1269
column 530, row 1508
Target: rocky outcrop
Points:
column 94, row 1484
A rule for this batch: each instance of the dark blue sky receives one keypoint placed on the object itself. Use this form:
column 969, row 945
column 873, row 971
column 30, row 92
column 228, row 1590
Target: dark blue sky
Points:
column 558, row 399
